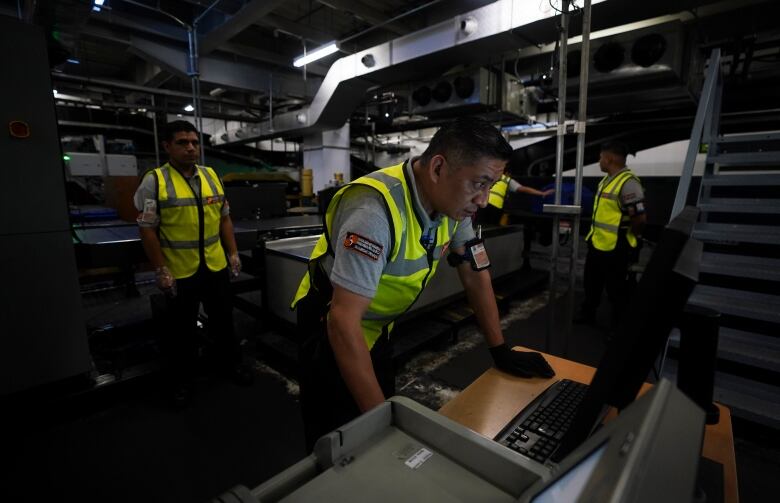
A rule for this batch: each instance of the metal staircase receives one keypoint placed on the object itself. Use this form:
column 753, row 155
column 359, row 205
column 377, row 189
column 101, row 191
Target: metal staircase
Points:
column 739, row 199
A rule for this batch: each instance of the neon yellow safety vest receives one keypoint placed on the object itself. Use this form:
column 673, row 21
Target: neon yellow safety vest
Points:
column 409, row 266
column 608, row 219
column 498, row 192
column 184, row 228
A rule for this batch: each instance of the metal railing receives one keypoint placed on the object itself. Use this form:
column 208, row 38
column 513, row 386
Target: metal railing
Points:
column 705, row 127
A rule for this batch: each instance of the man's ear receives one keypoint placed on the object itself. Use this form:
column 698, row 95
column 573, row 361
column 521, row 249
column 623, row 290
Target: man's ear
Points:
column 435, row 167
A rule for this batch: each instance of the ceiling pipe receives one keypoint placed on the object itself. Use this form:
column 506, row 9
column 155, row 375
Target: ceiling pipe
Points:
column 118, row 84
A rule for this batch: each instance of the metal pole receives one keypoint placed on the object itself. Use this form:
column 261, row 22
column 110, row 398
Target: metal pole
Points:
column 580, row 130
column 194, row 74
column 154, row 129
column 271, row 102
column 199, row 120
column 564, row 36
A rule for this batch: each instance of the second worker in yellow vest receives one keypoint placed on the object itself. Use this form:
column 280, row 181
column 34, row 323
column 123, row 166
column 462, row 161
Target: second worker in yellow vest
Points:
column 385, row 235
column 492, row 213
column 617, row 223
column 186, row 230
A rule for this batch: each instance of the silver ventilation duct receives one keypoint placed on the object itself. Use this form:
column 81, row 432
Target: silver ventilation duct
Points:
column 467, row 37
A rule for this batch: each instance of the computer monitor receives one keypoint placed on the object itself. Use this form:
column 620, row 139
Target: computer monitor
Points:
column 648, row 454
column 571, row 485
column 655, row 306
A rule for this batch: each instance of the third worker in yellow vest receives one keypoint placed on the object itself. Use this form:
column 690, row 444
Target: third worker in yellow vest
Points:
column 385, row 235
column 616, row 227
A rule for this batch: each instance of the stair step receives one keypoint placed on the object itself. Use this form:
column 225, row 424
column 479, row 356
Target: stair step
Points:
column 742, row 303
column 740, row 266
column 757, row 350
column 738, row 233
column 741, row 180
column 752, row 400
column 748, row 138
column 745, row 159
column 738, row 205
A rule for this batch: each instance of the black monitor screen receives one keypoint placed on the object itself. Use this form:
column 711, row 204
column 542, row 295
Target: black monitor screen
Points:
column 655, row 306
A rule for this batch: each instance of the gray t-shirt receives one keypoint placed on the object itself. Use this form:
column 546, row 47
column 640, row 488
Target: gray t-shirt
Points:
column 361, row 215
column 514, row 185
column 145, row 200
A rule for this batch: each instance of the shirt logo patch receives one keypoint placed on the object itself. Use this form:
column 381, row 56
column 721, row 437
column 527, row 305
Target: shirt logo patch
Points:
column 212, row 200
column 358, row 243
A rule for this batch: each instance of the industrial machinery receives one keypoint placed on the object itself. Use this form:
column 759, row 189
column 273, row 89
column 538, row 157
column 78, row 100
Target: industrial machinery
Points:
column 39, row 267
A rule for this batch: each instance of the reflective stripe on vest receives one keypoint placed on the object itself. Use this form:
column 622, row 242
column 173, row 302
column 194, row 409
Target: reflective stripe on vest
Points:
column 180, row 227
column 608, row 219
column 409, row 266
column 498, row 192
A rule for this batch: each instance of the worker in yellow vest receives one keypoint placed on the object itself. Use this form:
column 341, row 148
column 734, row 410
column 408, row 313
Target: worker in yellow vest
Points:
column 492, row 213
column 185, row 226
column 384, row 236
column 616, row 227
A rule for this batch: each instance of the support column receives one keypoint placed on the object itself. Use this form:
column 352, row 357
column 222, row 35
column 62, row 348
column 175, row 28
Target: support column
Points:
column 327, row 153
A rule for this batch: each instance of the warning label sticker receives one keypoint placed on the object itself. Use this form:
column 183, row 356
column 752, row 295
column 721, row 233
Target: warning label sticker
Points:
column 418, row 458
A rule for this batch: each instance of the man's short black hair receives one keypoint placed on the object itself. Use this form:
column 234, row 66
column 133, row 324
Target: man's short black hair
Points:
column 170, row 129
column 616, row 147
column 467, row 140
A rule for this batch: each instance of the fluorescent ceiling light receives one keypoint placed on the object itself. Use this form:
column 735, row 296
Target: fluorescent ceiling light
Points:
column 73, row 61
column 189, row 108
column 316, row 54
column 55, row 92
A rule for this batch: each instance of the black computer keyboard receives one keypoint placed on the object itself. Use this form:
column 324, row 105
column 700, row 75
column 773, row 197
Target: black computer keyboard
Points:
column 539, row 428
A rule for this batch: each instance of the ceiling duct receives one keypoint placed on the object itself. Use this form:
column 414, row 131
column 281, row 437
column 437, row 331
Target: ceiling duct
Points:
column 476, row 89
column 468, row 37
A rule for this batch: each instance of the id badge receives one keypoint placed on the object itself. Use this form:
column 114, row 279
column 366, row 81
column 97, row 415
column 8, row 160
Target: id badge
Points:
column 479, row 257
column 149, row 214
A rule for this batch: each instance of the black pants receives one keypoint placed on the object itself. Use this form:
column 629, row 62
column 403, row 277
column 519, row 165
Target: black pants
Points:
column 326, row 403
column 607, row 269
column 179, row 339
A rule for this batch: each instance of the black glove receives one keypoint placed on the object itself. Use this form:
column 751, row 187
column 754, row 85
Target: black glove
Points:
column 521, row 363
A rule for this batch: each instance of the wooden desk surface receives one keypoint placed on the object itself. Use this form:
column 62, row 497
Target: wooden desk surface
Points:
column 491, row 401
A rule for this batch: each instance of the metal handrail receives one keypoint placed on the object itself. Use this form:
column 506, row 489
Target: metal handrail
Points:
column 705, row 115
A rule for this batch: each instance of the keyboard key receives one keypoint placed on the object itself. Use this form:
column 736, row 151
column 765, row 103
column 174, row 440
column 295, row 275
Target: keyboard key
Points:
column 523, row 438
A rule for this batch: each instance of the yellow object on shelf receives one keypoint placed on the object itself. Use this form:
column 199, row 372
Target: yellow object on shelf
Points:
column 306, row 183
